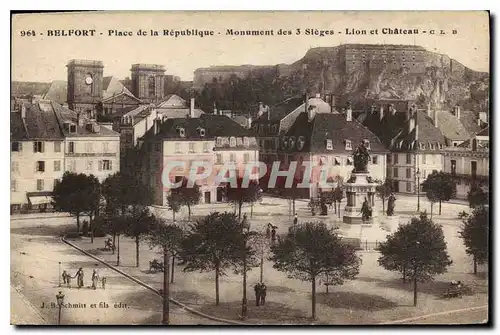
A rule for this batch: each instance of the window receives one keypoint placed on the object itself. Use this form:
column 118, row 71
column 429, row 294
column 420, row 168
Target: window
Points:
column 105, row 165
column 349, row 160
column 151, row 87
column 38, row 146
column 219, row 159
column 374, row 160
column 424, row 159
column 72, row 165
column 219, row 141
column 473, row 169
column 395, row 174
column 57, row 146
column 57, row 165
column 246, row 157
column 455, row 144
column 205, row 147
column 16, row 146
column 348, row 145
column 232, row 141
column 71, row 147
column 90, row 165
column 431, row 146
column 337, row 161
column 13, row 185
column 72, row 128
column 246, row 142
column 232, row 158
column 408, row 173
column 367, row 144
column 329, row 145
column 408, row 186
column 192, row 147
column 389, row 159
column 389, row 172
column 105, row 146
column 396, row 160
column 39, row 184
column 40, row 166
column 177, row 147
column 408, row 158
column 453, row 167
column 89, row 147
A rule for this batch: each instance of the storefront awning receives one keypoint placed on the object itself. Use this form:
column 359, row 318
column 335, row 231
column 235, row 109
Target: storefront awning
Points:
column 39, row 199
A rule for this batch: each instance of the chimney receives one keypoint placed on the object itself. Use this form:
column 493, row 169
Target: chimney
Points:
column 456, row 111
column 215, row 109
column 156, row 126
column 191, row 108
column 249, row 122
column 416, row 132
column 306, row 103
column 479, row 122
column 411, row 124
column 23, row 110
column 381, row 112
column 79, row 119
column 435, row 119
column 349, row 113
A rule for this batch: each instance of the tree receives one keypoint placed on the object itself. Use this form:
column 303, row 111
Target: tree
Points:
column 475, row 231
column 167, row 237
column 442, row 186
column 383, row 190
column 116, row 225
column 76, row 194
column 476, row 196
column 213, row 244
column 292, row 193
column 185, row 195
column 311, row 250
column 418, row 247
column 138, row 224
column 239, row 195
column 174, row 204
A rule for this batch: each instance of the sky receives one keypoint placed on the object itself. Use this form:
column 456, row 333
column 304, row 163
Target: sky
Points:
column 44, row 58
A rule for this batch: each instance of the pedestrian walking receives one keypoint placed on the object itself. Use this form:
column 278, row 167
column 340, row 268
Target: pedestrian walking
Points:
column 95, row 279
column 79, row 277
column 257, row 293
column 295, row 220
column 103, row 282
column 263, row 291
column 273, row 234
column 268, row 230
column 64, row 277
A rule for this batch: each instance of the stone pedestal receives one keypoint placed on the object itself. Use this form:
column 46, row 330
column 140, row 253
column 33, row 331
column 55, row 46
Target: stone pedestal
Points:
column 357, row 189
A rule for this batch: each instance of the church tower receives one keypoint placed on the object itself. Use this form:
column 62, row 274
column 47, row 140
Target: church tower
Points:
column 84, row 84
column 148, row 82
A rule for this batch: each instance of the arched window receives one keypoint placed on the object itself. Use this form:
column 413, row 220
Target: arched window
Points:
column 151, row 87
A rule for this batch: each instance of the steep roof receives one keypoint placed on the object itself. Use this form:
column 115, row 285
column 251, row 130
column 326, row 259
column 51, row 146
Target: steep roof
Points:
column 484, row 132
column 334, row 127
column 172, row 101
column 40, row 122
column 469, row 121
column 58, row 92
column 451, row 127
column 282, row 109
column 214, row 125
column 176, row 113
column 112, row 86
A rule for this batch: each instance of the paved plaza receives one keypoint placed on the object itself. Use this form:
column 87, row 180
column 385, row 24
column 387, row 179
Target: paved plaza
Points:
column 376, row 295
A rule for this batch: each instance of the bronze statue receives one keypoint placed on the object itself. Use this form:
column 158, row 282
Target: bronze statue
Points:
column 366, row 211
column 361, row 158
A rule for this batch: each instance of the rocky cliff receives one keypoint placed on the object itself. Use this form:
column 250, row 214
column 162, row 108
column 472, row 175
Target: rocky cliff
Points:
column 357, row 72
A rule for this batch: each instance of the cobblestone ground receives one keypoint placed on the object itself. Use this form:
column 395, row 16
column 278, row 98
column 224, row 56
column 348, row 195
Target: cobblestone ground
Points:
column 375, row 296
column 35, row 255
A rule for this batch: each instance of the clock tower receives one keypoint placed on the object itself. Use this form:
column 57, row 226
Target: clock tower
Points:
column 84, row 85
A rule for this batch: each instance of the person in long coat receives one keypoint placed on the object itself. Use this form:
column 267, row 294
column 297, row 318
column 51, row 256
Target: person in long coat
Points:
column 263, row 290
column 95, row 279
column 79, row 277
column 257, row 290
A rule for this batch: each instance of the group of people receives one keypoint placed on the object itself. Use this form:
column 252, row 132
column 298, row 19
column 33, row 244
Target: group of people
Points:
column 79, row 279
column 271, row 232
column 260, row 294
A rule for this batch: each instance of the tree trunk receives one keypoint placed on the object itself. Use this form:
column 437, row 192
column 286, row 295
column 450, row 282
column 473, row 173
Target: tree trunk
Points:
column 335, row 206
column 173, row 267
column 339, row 210
column 114, row 243
column 262, row 265
column 78, row 223
column 251, row 210
column 313, row 306
column 92, row 230
column 293, row 206
column 240, row 203
column 166, row 289
column 475, row 264
column 415, row 286
column 173, row 215
column 189, row 212
column 217, row 285
column 137, row 251
column 432, row 207
column 383, row 205
column 439, row 207
column 118, row 251
column 404, row 273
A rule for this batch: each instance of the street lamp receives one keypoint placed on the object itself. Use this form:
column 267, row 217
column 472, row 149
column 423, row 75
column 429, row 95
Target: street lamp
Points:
column 245, row 227
column 59, row 274
column 60, row 301
column 418, row 189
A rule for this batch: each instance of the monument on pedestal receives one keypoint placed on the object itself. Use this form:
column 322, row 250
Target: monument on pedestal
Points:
column 360, row 191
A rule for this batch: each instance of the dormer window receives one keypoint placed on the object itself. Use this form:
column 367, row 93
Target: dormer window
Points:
column 329, row 145
column 232, row 142
column 348, row 145
column 291, row 142
column 431, row 146
column 337, row 161
column 300, row 142
column 246, row 142
column 239, row 141
column 366, row 143
column 349, row 160
column 181, row 131
column 284, row 143
column 219, row 141
column 440, row 146
column 201, row 131
column 421, row 145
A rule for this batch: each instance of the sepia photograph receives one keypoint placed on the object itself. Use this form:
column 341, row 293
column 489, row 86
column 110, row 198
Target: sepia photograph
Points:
column 250, row 168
